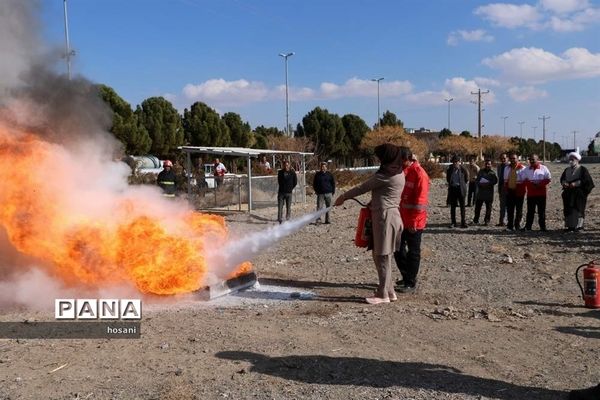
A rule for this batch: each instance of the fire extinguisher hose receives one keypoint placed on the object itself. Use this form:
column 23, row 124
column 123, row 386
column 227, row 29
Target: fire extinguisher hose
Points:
column 578, row 282
column 358, row 201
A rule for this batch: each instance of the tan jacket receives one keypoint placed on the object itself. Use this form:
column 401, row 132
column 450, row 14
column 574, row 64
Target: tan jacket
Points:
column 385, row 214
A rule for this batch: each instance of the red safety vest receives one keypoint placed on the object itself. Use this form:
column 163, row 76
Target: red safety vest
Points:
column 415, row 197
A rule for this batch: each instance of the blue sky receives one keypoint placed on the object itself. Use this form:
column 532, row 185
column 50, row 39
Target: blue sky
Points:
column 536, row 58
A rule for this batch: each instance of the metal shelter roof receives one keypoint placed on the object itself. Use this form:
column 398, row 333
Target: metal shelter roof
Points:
column 242, row 152
column 238, row 151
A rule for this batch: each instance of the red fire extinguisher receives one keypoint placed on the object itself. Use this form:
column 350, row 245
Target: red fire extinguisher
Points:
column 364, row 229
column 591, row 282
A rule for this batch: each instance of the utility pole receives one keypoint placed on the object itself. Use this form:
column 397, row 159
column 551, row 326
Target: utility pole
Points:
column 378, row 114
column 504, row 130
column 534, row 129
column 287, row 101
column 521, row 130
column 479, row 93
column 543, row 118
column 575, row 140
column 448, row 101
column 69, row 53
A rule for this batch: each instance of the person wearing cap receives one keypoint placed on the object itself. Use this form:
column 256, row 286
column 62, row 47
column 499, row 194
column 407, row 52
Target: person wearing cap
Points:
column 577, row 184
column 166, row 179
column 386, row 187
column 514, row 186
column 324, row 186
column 457, row 177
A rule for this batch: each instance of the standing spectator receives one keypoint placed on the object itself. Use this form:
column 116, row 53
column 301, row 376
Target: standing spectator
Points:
column 287, row 180
column 166, row 179
column 457, row 177
column 324, row 186
column 537, row 178
column 577, row 184
column 485, row 181
column 473, row 171
column 219, row 172
column 515, row 192
column 413, row 210
column 386, row 188
column 501, row 189
column 264, row 165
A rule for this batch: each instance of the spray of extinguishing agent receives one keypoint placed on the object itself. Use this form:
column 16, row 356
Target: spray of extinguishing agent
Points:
column 591, row 282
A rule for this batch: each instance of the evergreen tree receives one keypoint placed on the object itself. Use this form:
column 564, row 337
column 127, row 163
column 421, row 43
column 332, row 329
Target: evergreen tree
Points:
column 204, row 127
column 163, row 123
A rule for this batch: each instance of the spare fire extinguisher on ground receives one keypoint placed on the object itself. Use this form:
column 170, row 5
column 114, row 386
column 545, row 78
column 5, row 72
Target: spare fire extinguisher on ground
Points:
column 364, row 229
column 591, row 282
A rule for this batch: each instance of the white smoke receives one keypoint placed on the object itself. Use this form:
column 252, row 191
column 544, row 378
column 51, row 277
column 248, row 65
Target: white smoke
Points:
column 250, row 246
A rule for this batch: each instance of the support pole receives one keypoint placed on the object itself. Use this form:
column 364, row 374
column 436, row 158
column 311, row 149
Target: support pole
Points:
column 249, row 185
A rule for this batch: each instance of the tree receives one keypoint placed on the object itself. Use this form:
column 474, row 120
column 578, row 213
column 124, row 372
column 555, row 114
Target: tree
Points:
column 459, row 145
column 466, row 134
column 261, row 135
column 163, row 123
column 390, row 119
column 240, row 132
column 356, row 129
column 445, row 133
column 397, row 136
column 125, row 126
column 204, row 127
column 495, row 145
column 327, row 133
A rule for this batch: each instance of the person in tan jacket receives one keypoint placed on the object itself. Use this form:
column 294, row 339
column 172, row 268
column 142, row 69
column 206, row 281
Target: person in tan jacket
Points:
column 386, row 188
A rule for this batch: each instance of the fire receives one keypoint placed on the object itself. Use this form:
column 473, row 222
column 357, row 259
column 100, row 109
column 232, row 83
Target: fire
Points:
column 159, row 252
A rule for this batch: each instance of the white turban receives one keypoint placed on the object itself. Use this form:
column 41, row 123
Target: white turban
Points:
column 576, row 155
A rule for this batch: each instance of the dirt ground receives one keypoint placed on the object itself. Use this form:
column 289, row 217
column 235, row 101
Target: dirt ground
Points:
column 479, row 326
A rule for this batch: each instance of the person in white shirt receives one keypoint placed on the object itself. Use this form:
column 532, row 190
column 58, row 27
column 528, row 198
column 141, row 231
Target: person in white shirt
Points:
column 220, row 172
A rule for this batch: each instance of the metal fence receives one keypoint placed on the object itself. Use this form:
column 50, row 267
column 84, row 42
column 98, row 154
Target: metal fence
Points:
column 232, row 194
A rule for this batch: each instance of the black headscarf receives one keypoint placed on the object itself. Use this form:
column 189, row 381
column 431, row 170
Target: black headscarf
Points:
column 390, row 157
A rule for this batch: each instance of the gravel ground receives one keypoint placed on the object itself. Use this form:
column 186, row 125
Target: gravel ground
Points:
column 497, row 316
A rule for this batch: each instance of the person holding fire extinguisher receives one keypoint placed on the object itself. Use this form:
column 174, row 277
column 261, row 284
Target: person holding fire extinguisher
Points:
column 413, row 211
column 386, row 187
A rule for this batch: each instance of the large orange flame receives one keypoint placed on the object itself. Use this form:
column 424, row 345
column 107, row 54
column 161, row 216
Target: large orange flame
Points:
column 154, row 252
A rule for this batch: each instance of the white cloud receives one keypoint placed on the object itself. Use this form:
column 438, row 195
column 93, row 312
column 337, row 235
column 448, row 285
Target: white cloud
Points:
column 526, row 93
column 226, row 92
column 564, row 6
column 486, row 82
column 576, row 22
column 478, row 35
column 510, row 15
column 558, row 15
column 222, row 92
column 356, row 87
column 535, row 65
column 458, row 88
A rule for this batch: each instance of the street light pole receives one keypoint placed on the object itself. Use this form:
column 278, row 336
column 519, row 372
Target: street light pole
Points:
column 504, row 130
column 521, row 130
column 543, row 118
column 534, row 129
column 287, row 101
column 448, row 101
column 69, row 53
column 378, row 114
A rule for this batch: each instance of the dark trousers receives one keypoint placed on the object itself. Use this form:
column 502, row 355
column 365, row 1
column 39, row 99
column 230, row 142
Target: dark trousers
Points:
column 287, row 199
column 408, row 258
column 456, row 198
column 471, row 193
column 514, row 209
column 502, row 198
column 324, row 199
column 532, row 203
column 488, row 210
